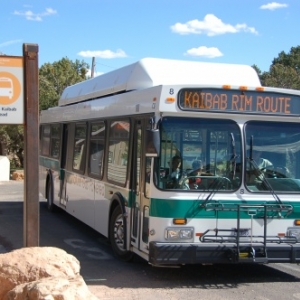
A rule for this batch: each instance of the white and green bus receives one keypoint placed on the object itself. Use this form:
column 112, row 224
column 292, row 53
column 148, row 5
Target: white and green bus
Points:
column 106, row 156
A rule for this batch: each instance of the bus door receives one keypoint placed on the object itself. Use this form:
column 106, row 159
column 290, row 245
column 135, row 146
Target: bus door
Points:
column 62, row 174
column 140, row 204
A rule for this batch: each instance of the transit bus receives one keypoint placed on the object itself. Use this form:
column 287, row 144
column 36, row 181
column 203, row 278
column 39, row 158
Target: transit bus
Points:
column 107, row 153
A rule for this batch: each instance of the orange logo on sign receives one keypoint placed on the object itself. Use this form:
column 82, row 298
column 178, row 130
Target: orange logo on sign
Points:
column 10, row 88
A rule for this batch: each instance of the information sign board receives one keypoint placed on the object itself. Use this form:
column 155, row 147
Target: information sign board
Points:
column 11, row 90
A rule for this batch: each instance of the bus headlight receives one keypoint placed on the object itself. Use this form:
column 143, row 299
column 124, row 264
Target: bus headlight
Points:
column 294, row 231
column 182, row 233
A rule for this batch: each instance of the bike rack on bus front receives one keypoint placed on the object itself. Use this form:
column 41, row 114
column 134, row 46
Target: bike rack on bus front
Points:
column 248, row 247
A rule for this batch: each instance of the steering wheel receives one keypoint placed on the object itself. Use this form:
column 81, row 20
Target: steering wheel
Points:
column 217, row 182
column 281, row 172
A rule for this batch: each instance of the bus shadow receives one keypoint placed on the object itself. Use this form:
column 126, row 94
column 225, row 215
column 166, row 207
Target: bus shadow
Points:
column 199, row 276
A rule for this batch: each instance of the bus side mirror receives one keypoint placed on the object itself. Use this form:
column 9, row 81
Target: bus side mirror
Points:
column 152, row 138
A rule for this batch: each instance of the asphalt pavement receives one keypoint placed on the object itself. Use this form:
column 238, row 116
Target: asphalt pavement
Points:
column 102, row 272
column 108, row 278
column 56, row 230
column 11, row 215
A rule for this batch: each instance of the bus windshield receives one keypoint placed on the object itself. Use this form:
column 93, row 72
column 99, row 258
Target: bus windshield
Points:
column 202, row 154
column 273, row 156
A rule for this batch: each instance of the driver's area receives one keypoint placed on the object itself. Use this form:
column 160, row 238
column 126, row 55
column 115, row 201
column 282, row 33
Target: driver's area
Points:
column 273, row 156
column 199, row 154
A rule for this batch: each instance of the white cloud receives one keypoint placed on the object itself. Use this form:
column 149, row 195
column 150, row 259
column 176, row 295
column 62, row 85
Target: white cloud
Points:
column 273, row 5
column 10, row 43
column 103, row 54
column 211, row 25
column 31, row 16
column 204, row 52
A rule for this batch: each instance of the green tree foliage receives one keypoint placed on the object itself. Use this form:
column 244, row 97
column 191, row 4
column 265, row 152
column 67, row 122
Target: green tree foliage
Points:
column 292, row 59
column 55, row 77
column 284, row 71
column 12, row 138
column 281, row 76
column 257, row 69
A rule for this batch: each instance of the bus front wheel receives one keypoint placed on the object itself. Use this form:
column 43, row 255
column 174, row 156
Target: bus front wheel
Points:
column 49, row 196
column 116, row 235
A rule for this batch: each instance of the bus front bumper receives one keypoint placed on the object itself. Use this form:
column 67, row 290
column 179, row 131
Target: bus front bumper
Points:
column 212, row 253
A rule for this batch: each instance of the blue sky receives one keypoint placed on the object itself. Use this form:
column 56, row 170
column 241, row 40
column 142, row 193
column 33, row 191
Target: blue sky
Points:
column 120, row 32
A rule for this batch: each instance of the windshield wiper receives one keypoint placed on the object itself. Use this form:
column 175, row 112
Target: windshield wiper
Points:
column 266, row 182
column 215, row 185
column 262, row 174
column 234, row 156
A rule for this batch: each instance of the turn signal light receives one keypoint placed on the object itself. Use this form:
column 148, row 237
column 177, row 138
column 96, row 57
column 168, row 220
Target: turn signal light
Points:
column 297, row 222
column 179, row 221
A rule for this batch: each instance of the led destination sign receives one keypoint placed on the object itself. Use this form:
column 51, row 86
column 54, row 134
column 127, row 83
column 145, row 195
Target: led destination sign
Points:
column 239, row 101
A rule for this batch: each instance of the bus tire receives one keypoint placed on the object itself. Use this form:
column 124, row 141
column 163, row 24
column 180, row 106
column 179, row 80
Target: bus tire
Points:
column 116, row 235
column 49, row 196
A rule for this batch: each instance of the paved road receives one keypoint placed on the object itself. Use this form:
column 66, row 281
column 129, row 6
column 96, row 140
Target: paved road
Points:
column 109, row 278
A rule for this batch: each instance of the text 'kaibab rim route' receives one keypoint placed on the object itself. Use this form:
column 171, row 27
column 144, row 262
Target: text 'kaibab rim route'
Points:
column 239, row 101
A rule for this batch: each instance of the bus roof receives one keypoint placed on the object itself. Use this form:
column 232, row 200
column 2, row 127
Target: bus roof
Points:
column 150, row 72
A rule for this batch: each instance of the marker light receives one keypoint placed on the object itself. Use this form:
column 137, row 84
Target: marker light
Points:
column 227, row 86
column 170, row 100
column 260, row 88
column 243, row 88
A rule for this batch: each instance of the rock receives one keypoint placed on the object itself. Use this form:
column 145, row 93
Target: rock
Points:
column 52, row 289
column 41, row 273
column 17, row 175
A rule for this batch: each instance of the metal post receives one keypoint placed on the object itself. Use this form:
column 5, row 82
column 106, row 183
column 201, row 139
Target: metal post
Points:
column 31, row 222
column 93, row 67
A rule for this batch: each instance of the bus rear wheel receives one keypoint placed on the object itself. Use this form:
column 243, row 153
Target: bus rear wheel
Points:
column 116, row 235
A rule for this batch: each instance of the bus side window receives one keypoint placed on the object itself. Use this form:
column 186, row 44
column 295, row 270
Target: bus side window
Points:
column 96, row 149
column 55, row 141
column 118, row 151
column 147, row 176
column 79, row 147
column 45, row 141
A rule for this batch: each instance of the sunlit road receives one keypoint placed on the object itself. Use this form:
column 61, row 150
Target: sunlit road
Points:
column 108, row 278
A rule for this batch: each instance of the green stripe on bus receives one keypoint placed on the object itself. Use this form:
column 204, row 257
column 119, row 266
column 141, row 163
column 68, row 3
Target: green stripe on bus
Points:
column 49, row 163
column 166, row 208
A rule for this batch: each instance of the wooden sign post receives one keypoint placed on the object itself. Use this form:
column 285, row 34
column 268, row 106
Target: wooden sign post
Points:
column 31, row 150
column 19, row 104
